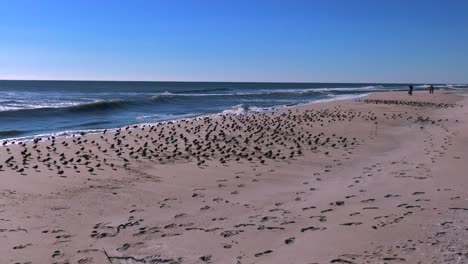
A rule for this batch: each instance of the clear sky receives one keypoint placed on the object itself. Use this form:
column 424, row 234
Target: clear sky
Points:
column 224, row 40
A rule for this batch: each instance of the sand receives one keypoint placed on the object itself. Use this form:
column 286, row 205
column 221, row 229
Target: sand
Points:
column 375, row 180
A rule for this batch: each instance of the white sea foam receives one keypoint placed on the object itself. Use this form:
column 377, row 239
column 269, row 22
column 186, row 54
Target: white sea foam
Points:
column 235, row 110
column 242, row 109
column 34, row 104
column 340, row 98
column 166, row 116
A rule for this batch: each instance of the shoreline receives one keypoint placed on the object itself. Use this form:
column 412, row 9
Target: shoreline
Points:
column 374, row 180
column 17, row 131
column 72, row 133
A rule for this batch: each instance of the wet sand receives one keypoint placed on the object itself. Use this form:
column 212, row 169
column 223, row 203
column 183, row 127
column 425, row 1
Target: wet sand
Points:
column 375, row 180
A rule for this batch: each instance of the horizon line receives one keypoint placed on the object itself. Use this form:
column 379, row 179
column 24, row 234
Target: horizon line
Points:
column 150, row 81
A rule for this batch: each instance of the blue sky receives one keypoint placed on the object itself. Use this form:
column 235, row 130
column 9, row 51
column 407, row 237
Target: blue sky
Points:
column 223, row 40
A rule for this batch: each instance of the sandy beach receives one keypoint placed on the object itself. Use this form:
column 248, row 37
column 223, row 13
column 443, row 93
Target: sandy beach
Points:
column 381, row 179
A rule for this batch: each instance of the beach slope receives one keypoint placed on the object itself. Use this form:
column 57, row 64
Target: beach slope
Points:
column 381, row 179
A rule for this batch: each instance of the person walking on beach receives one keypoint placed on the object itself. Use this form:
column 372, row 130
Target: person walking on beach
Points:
column 431, row 89
column 410, row 92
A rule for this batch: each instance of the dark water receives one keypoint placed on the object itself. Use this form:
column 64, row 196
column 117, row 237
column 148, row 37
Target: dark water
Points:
column 29, row 108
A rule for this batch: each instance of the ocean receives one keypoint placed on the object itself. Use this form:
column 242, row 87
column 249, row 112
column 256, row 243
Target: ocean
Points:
column 37, row 108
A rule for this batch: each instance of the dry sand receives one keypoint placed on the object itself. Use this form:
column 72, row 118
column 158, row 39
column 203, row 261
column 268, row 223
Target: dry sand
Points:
column 381, row 180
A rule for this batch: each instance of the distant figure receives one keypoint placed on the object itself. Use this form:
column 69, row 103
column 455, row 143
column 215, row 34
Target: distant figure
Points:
column 410, row 92
column 431, row 89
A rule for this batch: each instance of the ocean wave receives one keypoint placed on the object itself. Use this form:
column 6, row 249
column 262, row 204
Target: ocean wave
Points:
column 90, row 104
column 4, row 108
column 204, row 90
column 94, row 123
column 12, row 105
column 424, row 86
column 104, row 105
column 356, row 89
column 243, row 109
column 269, row 100
column 101, row 105
column 236, row 110
column 452, row 87
column 10, row 133
column 283, row 91
column 169, row 94
column 333, row 98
